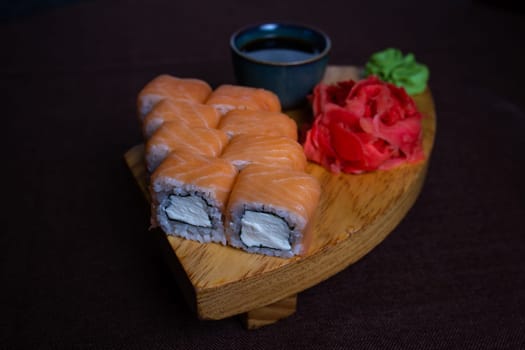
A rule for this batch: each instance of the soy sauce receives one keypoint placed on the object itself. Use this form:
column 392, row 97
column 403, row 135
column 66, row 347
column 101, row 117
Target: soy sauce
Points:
column 280, row 50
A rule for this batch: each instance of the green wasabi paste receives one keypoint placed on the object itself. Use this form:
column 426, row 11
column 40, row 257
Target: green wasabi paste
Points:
column 391, row 66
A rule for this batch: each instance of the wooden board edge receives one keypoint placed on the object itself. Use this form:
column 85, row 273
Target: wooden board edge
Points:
column 312, row 270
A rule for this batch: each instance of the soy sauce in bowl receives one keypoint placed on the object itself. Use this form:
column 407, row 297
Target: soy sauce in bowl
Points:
column 288, row 59
column 284, row 50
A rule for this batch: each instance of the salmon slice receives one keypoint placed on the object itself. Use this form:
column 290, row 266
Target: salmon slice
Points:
column 240, row 121
column 276, row 151
column 169, row 87
column 270, row 210
column 173, row 136
column 189, row 194
column 227, row 97
column 186, row 112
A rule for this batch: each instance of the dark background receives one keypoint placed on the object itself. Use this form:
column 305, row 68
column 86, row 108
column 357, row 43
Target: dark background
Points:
column 78, row 268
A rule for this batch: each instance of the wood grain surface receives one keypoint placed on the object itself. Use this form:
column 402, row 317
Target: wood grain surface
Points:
column 355, row 213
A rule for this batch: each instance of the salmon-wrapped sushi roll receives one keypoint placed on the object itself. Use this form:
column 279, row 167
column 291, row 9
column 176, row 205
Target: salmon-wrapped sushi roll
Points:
column 189, row 194
column 240, row 121
column 187, row 112
column 169, row 87
column 172, row 136
column 270, row 210
column 227, row 97
column 276, row 151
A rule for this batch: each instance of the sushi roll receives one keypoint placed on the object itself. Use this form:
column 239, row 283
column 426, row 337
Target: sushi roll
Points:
column 239, row 121
column 268, row 150
column 173, row 136
column 270, row 211
column 228, row 97
column 169, row 87
column 187, row 112
column 189, row 194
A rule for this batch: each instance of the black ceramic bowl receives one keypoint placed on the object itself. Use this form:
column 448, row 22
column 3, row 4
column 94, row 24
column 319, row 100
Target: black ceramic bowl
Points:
column 288, row 59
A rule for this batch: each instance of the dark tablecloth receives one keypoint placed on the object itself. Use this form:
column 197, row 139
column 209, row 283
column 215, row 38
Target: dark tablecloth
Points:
column 78, row 268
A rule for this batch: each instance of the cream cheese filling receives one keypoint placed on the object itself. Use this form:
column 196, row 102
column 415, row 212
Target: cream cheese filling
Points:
column 188, row 209
column 264, row 230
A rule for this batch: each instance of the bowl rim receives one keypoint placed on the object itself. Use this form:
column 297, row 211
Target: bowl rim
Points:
column 313, row 29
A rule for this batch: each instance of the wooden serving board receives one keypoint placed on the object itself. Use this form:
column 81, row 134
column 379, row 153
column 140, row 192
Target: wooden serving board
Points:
column 355, row 213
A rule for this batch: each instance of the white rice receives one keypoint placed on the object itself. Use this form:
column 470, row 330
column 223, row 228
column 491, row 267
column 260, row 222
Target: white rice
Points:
column 163, row 188
column 152, row 126
column 155, row 155
column 146, row 104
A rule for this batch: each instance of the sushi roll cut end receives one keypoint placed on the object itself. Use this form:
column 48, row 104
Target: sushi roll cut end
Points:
column 190, row 213
column 189, row 193
column 270, row 211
